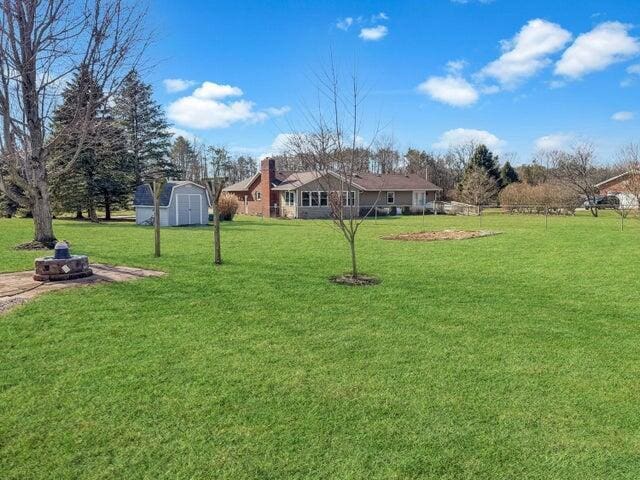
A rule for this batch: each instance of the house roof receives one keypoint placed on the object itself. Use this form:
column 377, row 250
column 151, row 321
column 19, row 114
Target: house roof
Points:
column 615, row 179
column 295, row 180
column 279, row 177
column 375, row 182
column 144, row 196
column 287, row 180
column 242, row 185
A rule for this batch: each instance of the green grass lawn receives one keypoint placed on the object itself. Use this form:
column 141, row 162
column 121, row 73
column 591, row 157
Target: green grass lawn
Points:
column 506, row 357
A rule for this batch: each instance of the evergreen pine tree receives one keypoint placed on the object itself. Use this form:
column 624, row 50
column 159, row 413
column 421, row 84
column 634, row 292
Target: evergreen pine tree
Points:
column 184, row 159
column 508, row 175
column 146, row 129
column 483, row 157
column 99, row 172
column 71, row 184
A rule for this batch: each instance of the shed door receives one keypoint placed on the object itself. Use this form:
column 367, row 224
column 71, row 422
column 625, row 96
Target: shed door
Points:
column 188, row 209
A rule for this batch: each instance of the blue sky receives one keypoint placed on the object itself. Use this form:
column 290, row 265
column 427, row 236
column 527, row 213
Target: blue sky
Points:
column 518, row 75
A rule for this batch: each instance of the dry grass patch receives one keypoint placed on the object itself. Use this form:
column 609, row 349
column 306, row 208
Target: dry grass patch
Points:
column 440, row 235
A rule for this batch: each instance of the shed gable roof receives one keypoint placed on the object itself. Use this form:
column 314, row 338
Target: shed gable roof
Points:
column 143, row 196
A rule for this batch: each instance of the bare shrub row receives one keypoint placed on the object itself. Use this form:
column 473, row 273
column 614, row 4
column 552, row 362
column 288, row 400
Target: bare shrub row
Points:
column 538, row 199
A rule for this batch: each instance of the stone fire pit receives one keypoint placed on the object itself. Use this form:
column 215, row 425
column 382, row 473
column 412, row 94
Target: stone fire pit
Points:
column 62, row 265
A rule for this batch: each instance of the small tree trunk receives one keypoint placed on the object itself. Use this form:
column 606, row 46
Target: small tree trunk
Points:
column 79, row 215
column 354, row 267
column 43, row 218
column 156, row 224
column 217, row 254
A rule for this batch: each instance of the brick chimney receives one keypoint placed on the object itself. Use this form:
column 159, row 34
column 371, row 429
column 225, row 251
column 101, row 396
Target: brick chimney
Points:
column 267, row 175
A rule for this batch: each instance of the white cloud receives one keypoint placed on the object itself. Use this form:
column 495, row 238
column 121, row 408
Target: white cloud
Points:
column 179, row 132
column 634, row 69
column 213, row 90
column 555, row 141
column 278, row 112
column 527, row 53
column 205, row 108
column 379, row 16
column 173, row 85
column 462, row 136
column 281, row 143
column 202, row 113
column 344, row 23
column 456, row 66
column 452, row 90
column 606, row 44
column 623, row 116
column 373, row 34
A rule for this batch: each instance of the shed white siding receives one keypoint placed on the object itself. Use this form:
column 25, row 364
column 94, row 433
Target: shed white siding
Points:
column 144, row 215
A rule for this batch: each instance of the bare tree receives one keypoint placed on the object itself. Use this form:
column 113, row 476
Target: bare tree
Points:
column 577, row 170
column 42, row 42
column 385, row 157
column 478, row 188
column 331, row 147
column 220, row 163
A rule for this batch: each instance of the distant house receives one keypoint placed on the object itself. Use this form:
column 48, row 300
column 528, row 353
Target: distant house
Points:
column 624, row 186
column 271, row 192
column 181, row 203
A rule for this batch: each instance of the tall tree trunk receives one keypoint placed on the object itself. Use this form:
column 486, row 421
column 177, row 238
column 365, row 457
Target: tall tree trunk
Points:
column 217, row 254
column 42, row 217
column 107, row 207
column 93, row 215
column 91, row 211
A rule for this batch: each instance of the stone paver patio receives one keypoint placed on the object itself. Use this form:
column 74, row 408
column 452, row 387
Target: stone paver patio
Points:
column 18, row 287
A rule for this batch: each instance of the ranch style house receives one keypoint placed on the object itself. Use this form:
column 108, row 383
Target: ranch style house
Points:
column 274, row 193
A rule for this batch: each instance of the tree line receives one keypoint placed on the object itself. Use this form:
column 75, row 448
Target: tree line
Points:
column 128, row 141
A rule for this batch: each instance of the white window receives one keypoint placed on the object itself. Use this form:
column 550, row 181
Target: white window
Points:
column 420, row 198
column 391, row 197
column 349, row 198
column 314, row 199
column 258, row 195
column 289, row 199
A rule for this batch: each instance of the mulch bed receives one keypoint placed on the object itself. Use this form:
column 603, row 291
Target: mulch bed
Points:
column 359, row 281
column 440, row 235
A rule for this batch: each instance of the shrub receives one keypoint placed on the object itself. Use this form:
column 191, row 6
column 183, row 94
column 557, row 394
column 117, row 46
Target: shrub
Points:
column 525, row 198
column 228, row 206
